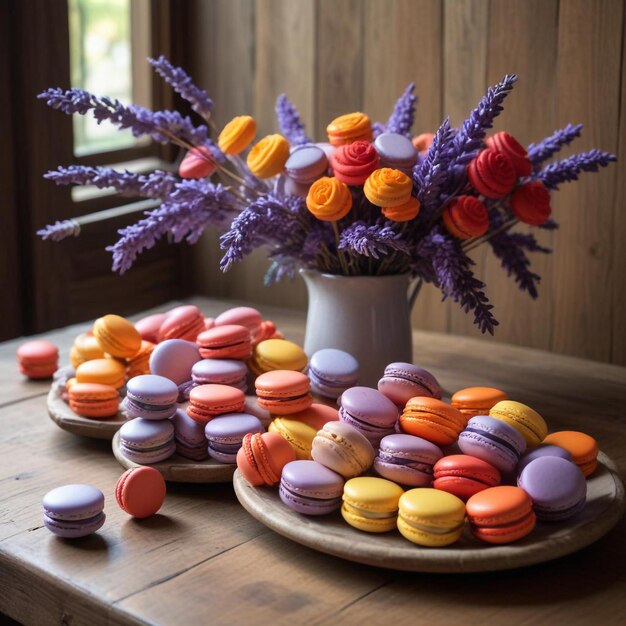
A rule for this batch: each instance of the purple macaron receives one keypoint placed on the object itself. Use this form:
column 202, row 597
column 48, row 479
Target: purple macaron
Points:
column 372, row 413
column 310, row 488
column 403, row 381
column 332, row 371
column 147, row 441
column 407, row 460
column 174, row 358
column 225, row 434
column 73, row 511
column 493, row 441
column 151, row 397
column 306, row 164
column 556, row 486
column 543, row 449
column 220, row 372
column 189, row 436
column 396, row 151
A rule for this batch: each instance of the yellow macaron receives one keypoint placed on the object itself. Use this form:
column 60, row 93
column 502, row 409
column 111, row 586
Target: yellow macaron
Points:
column 371, row 504
column 277, row 354
column 103, row 371
column 117, row 336
column 298, row 434
column 85, row 348
column 430, row 517
column 524, row 419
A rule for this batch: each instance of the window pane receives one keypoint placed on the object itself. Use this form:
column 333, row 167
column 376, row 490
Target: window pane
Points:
column 103, row 40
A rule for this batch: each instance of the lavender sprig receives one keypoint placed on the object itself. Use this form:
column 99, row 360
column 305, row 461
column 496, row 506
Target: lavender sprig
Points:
column 548, row 147
column 377, row 129
column 375, row 241
column 162, row 126
column 289, row 122
column 401, row 119
column 60, row 230
column 182, row 84
column 568, row 169
column 157, row 184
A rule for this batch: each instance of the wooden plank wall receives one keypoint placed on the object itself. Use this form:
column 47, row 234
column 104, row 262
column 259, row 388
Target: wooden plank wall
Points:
column 334, row 56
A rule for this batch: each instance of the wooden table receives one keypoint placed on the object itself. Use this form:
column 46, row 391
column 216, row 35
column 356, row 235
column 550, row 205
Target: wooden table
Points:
column 203, row 559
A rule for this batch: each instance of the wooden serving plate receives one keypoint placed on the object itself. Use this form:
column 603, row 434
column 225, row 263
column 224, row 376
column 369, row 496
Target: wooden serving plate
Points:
column 330, row 534
column 61, row 414
column 178, row 469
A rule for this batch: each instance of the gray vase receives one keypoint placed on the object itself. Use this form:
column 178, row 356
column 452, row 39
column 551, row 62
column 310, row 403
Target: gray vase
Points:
column 367, row 316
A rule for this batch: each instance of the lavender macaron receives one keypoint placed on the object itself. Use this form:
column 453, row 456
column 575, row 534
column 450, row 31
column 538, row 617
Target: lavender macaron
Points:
column 396, row 151
column 147, row 441
column 151, row 397
column 189, row 437
column 306, row 164
column 73, row 511
column 556, row 486
column 174, row 358
column 309, row 488
column 543, row 449
column 220, row 372
column 332, row 371
column 407, row 460
column 372, row 413
column 403, row 381
column 493, row 441
column 224, row 435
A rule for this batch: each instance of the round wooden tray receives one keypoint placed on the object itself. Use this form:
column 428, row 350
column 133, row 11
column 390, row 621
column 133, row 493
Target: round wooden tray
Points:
column 178, row 469
column 61, row 414
column 330, row 534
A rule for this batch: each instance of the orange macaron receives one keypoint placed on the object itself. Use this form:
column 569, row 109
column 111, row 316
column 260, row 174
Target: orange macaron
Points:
column 473, row 401
column 433, row 420
column 117, row 336
column 582, row 447
column 140, row 491
column 104, row 371
column 262, row 457
column 94, row 400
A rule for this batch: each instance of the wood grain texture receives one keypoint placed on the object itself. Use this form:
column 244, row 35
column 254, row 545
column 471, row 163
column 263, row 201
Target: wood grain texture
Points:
column 203, row 558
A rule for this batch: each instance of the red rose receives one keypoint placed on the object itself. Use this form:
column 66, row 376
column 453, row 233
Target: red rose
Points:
column 353, row 163
column 466, row 217
column 530, row 203
column 491, row 173
column 508, row 145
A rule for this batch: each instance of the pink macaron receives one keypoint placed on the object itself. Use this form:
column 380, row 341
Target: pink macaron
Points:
column 38, row 359
column 231, row 341
column 242, row 316
column 183, row 322
column 148, row 327
column 403, row 381
column 283, row 392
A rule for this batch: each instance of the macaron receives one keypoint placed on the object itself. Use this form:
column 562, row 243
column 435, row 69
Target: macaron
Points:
column 268, row 156
column 242, row 316
column 140, row 491
column 298, row 434
column 524, row 419
column 372, row 413
column 422, row 142
column 371, row 504
column 102, row 371
column 189, row 436
column 396, row 151
column 73, row 511
column 268, row 331
column 262, row 457
column 174, row 358
column 348, row 128
column 493, row 441
column 197, row 163
column 140, row 363
column 183, row 322
column 343, row 449
column 402, row 381
column 582, row 447
column 501, row 514
column 309, row 488
column 230, row 341
column 543, row 449
column 473, row 401
column 147, row 441
column 283, row 392
column 209, row 401
column 277, row 354
column 556, row 486
column 432, row 419
column 407, row 460
column 430, row 518
column 306, row 164
column 220, row 372
column 38, row 359
column 94, row 400
column 85, row 348
column 237, row 135
column 225, row 435
column 150, row 396
column 332, row 371
column 315, row 416
column 148, row 327
column 463, row 475
column 117, row 336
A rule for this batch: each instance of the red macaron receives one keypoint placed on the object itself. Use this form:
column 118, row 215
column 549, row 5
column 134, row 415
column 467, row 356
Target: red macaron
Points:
column 463, row 475
column 140, row 491
column 38, row 359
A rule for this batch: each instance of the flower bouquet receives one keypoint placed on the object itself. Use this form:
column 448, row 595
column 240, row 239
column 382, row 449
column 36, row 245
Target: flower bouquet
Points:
column 371, row 201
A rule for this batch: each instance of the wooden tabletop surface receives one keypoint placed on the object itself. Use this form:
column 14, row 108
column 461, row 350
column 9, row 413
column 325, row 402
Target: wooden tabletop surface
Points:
column 203, row 559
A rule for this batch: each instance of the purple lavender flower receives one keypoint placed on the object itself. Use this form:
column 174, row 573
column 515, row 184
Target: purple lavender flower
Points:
column 403, row 115
column 60, row 230
column 182, row 84
column 568, row 169
column 157, row 184
column 377, row 129
column 548, row 147
column 376, row 241
column 289, row 122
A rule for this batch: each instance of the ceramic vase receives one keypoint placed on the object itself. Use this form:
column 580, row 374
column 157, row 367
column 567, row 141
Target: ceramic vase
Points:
column 367, row 316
